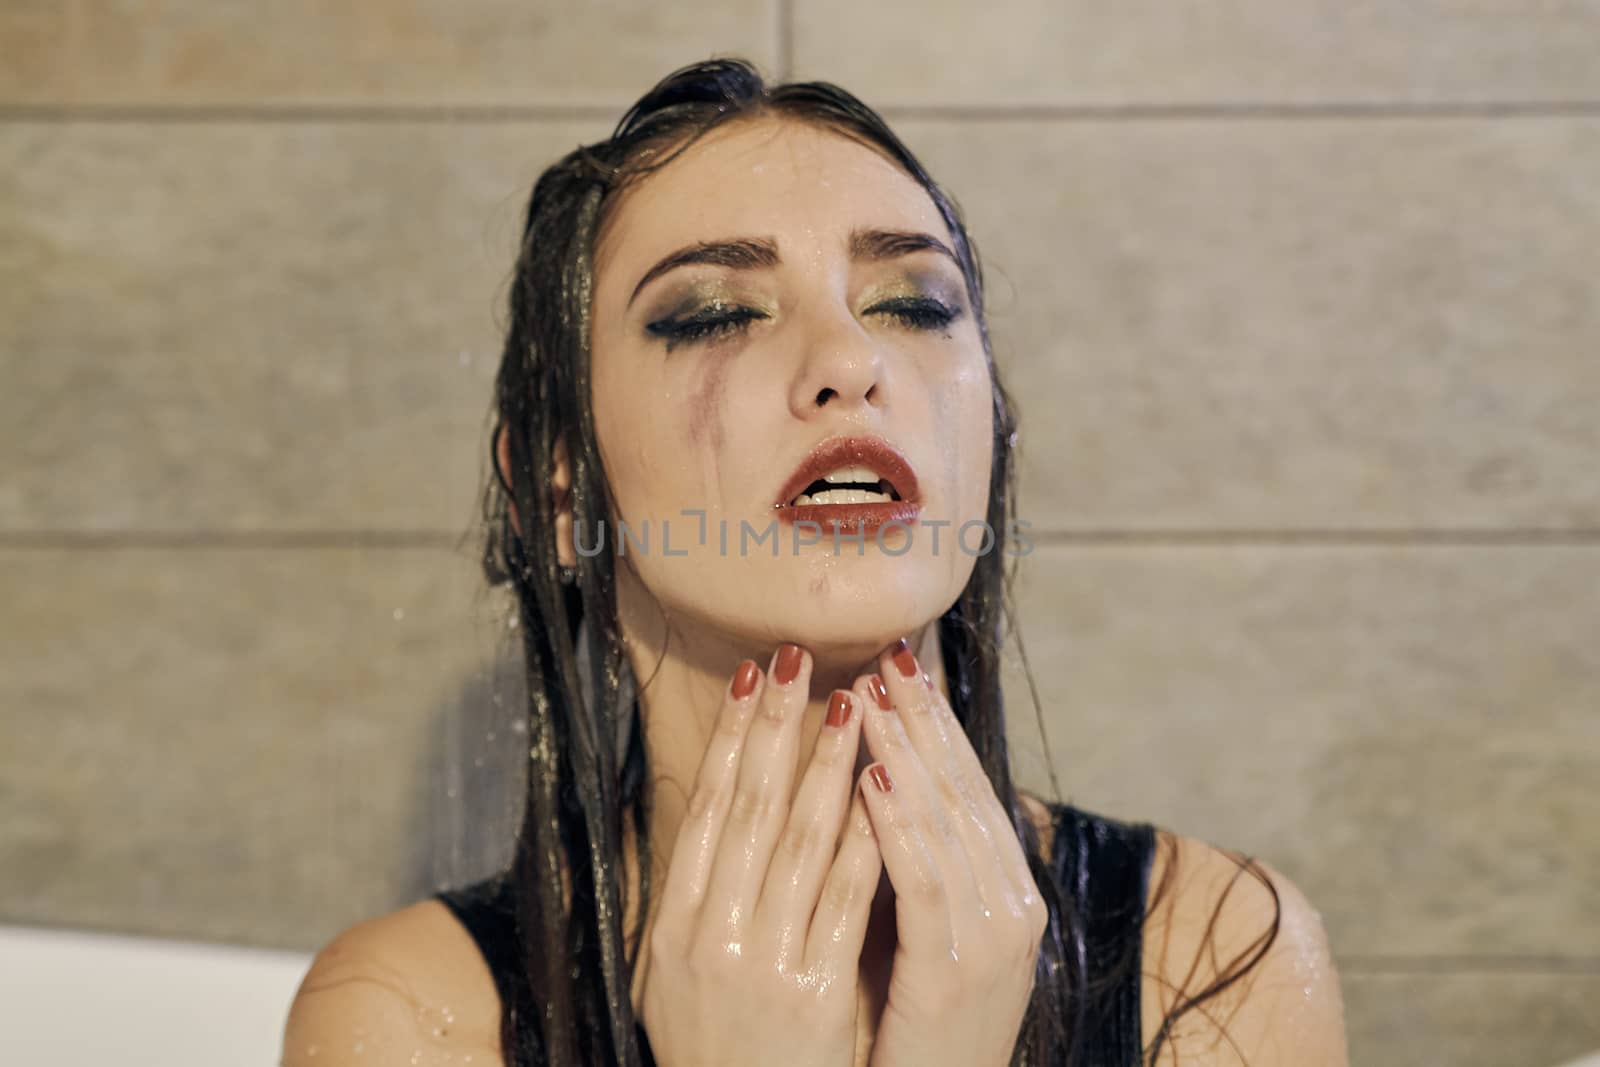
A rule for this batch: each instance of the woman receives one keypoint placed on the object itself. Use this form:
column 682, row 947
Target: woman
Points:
column 770, row 815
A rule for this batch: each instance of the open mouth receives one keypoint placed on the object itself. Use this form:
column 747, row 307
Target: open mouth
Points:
column 851, row 484
column 848, row 485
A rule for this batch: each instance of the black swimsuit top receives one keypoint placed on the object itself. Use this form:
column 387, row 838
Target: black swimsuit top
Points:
column 1103, row 867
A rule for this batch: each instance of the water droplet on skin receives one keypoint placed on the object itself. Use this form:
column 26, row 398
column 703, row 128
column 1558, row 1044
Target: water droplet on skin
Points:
column 416, row 1057
column 311, row 1050
column 399, row 613
column 360, row 1046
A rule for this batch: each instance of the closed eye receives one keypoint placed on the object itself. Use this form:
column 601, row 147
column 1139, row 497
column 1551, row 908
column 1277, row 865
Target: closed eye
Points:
column 914, row 313
column 920, row 314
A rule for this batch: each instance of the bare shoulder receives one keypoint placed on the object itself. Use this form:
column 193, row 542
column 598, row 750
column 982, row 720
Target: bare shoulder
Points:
column 1217, row 916
column 406, row 987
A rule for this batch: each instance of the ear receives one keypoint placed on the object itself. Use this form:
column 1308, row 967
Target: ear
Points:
column 560, row 494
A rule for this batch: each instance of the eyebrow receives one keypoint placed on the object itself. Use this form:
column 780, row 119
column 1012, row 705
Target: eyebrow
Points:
column 755, row 253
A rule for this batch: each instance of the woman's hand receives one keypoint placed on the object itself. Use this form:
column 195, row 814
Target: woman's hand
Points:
column 968, row 915
column 757, row 942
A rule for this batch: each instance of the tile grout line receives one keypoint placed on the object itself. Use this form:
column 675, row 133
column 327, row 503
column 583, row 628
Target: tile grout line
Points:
column 87, row 540
column 70, row 540
column 603, row 112
column 1441, row 536
column 1400, row 966
column 1227, row 110
column 334, row 113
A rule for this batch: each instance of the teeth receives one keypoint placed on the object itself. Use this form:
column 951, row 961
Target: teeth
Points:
column 857, row 475
column 843, row 496
column 853, row 474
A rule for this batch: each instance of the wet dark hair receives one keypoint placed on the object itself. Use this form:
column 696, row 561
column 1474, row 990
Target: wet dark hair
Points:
column 579, row 786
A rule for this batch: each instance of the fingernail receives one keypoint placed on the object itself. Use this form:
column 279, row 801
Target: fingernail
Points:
column 744, row 679
column 880, row 692
column 880, row 778
column 900, row 652
column 838, row 708
column 927, row 679
column 788, row 664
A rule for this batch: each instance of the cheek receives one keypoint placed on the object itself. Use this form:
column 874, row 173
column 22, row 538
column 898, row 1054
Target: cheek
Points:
column 629, row 426
column 707, row 397
column 664, row 434
column 983, row 447
column 964, row 399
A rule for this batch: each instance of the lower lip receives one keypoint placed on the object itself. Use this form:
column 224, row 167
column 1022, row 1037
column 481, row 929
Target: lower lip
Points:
column 865, row 519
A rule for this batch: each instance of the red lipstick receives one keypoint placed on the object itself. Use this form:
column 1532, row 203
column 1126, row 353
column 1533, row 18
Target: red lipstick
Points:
column 894, row 474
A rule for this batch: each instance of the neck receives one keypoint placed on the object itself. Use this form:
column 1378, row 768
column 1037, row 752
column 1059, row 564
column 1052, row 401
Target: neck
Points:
column 683, row 668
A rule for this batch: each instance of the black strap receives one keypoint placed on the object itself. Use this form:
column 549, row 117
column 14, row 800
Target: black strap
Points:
column 487, row 910
column 1104, row 866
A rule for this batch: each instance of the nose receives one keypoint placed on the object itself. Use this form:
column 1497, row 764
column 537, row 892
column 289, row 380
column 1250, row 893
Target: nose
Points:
column 842, row 371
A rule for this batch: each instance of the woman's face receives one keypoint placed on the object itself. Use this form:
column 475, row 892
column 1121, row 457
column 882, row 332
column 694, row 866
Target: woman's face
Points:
column 835, row 330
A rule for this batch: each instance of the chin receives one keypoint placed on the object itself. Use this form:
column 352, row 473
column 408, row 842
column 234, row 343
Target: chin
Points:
column 849, row 602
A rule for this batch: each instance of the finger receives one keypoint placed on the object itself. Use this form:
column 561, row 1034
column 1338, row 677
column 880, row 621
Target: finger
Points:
column 939, row 825
column 690, row 867
column 923, row 894
column 760, row 802
column 959, row 782
column 809, row 840
column 931, row 722
column 1006, row 836
column 839, row 927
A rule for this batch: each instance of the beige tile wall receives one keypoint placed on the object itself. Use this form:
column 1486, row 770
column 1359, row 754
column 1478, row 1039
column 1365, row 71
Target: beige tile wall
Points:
column 1297, row 299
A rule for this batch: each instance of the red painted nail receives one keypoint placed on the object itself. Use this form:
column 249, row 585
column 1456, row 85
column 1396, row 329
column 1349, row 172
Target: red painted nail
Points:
column 838, row 708
column 788, row 664
column 900, row 652
column 880, row 778
column 744, row 679
column 880, row 692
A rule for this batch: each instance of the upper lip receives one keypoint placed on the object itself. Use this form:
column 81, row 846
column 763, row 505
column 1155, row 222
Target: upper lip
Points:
column 866, row 451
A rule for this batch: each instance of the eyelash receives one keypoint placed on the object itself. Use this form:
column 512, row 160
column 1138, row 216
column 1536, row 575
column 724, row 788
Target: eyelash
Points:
column 928, row 315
